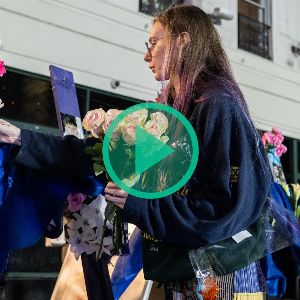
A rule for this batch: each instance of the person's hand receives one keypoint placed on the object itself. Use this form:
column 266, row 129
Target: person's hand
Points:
column 114, row 194
column 9, row 133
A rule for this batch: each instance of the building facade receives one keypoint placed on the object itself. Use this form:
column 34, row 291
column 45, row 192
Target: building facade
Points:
column 102, row 43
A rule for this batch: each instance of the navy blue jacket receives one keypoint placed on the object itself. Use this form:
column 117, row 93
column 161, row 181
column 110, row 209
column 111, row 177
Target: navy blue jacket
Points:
column 226, row 192
column 229, row 186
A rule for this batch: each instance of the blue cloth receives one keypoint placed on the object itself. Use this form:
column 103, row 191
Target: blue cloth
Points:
column 279, row 195
column 30, row 199
column 128, row 266
column 276, row 280
column 248, row 280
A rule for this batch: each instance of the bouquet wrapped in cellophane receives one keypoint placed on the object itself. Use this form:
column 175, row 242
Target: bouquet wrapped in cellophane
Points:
column 122, row 147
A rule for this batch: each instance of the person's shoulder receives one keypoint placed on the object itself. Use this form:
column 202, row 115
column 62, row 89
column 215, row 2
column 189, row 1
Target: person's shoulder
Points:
column 221, row 99
column 219, row 103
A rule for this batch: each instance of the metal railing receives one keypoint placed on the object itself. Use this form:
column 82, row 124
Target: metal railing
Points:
column 254, row 36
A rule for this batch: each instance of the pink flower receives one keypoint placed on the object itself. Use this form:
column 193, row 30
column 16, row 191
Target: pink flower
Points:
column 2, row 68
column 276, row 131
column 75, row 201
column 93, row 121
column 152, row 128
column 277, row 140
column 138, row 117
column 267, row 138
column 109, row 117
column 129, row 133
column 280, row 150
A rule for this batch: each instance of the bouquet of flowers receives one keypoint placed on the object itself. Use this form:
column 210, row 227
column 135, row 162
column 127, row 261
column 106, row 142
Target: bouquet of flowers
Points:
column 124, row 137
column 273, row 141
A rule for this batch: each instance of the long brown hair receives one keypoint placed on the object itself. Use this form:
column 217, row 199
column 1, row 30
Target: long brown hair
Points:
column 204, row 66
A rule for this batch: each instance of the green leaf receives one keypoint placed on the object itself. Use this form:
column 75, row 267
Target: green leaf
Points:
column 97, row 159
column 298, row 211
column 95, row 150
column 98, row 168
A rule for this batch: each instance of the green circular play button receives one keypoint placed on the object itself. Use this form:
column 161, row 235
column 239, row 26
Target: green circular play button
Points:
column 150, row 150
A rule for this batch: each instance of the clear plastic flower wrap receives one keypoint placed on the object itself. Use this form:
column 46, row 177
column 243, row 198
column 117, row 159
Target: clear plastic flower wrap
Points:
column 162, row 134
column 275, row 229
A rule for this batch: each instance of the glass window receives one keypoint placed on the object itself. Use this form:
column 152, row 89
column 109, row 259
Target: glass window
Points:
column 151, row 7
column 291, row 160
column 27, row 99
column 82, row 98
column 29, row 103
column 106, row 102
column 287, row 160
column 255, row 12
column 254, row 27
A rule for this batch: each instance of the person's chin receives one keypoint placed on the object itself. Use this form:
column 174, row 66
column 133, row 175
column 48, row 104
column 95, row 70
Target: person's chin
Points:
column 158, row 77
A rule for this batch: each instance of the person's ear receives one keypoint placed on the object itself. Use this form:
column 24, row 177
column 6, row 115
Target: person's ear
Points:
column 183, row 40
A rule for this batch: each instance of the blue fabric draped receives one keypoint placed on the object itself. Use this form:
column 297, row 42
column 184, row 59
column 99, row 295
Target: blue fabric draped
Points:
column 30, row 199
column 276, row 279
column 128, row 266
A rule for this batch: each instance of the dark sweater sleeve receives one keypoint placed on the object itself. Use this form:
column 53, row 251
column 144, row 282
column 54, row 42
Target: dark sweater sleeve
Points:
column 54, row 154
column 227, row 190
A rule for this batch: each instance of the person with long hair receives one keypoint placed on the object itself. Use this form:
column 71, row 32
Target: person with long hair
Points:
column 231, row 182
column 227, row 192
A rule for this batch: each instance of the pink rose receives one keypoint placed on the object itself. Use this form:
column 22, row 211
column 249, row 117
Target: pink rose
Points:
column 110, row 115
column 276, row 131
column 277, row 140
column 280, row 150
column 152, row 128
column 267, row 138
column 93, row 121
column 75, row 201
column 2, row 68
column 129, row 133
column 138, row 117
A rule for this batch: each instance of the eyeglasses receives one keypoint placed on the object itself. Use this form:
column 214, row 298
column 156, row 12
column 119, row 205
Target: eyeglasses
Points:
column 150, row 46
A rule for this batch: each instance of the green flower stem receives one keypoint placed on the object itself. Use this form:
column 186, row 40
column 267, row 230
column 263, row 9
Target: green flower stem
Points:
column 110, row 211
column 118, row 226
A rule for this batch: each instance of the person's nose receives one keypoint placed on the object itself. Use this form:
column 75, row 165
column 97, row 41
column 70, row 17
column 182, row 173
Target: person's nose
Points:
column 147, row 56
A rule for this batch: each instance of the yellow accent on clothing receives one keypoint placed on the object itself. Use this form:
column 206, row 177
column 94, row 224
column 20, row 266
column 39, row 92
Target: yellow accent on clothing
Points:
column 249, row 296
